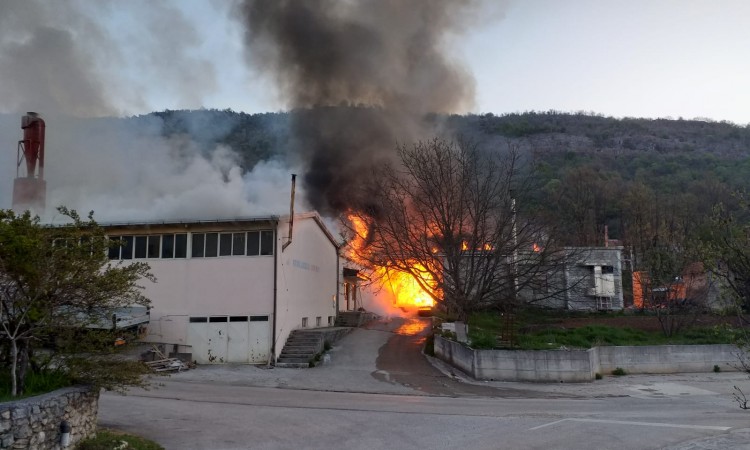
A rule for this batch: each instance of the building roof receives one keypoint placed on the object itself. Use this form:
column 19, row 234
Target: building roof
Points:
column 226, row 221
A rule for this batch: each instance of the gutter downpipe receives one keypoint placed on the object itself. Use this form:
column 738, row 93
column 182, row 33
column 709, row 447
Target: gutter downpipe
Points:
column 338, row 269
column 291, row 214
column 272, row 357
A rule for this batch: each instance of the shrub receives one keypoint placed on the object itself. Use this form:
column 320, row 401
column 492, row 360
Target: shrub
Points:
column 449, row 335
column 36, row 383
column 598, row 376
column 106, row 440
column 717, row 369
column 483, row 340
column 619, row 371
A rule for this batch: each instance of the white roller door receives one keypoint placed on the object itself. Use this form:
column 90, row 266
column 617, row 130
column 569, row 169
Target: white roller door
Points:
column 234, row 339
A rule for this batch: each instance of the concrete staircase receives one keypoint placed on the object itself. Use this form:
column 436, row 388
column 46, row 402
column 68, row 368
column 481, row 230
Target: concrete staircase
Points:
column 300, row 349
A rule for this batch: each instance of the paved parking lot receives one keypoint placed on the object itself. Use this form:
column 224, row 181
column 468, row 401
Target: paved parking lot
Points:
column 378, row 384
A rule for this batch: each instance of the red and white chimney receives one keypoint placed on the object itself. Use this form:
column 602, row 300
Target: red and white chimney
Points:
column 29, row 191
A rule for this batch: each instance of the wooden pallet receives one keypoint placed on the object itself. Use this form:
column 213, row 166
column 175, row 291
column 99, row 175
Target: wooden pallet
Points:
column 167, row 365
column 164, row 364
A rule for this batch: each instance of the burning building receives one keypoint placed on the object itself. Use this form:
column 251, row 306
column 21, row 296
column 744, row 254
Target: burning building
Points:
column 233, row 290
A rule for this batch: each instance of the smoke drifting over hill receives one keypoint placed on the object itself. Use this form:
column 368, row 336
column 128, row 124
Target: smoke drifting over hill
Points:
column 64, row 63
column 63, row 58
column 364, row 74
column 360, row 75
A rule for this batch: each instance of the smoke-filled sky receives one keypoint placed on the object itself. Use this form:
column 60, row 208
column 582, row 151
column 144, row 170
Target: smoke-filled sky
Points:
column 96, row 58
column 615, row 57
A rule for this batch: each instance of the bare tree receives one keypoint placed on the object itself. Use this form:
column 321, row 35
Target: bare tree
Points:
column 449, row 216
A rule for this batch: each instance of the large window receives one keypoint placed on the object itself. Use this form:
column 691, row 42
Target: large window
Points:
column 203, row 245
column 152, row 246
column 199, row 240
column 250, row 243
column 212, row 243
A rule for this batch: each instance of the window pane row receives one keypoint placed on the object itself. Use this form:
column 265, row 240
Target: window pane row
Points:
column 154, row 246
column 203, row 245
column 250, row 243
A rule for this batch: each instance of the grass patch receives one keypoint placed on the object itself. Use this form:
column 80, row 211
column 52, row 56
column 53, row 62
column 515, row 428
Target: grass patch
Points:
column 110, row 439
column 583, row 337
column 36, row 383
column 482, row 339
column 536, row 330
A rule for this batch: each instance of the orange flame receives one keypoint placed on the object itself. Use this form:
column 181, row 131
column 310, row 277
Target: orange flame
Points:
column 403, row 287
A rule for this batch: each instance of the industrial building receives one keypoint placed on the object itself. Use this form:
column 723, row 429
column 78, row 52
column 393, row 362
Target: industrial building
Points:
column 232, row 290
column 590, row 280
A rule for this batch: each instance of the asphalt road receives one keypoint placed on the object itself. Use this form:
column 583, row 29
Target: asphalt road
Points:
column 378, row 391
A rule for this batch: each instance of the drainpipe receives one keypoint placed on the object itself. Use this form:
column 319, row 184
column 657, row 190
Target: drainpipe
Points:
column 291, row 214
column 338, row 269
column 272, row 357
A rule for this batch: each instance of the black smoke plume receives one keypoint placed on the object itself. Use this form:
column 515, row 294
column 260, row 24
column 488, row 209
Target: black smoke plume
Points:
column 360, row 76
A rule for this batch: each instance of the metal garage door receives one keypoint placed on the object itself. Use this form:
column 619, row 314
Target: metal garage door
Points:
column 260, row 339
column 236, row 339
column 208, row 338
column 237, row 345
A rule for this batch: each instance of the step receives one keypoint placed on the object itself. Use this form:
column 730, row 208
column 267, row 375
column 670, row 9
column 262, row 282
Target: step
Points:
column 314, row 348
column 299, row 350
column 304, row 338
column 291, row 365
column 294, row 354
column 304, row 341
column 293, row 360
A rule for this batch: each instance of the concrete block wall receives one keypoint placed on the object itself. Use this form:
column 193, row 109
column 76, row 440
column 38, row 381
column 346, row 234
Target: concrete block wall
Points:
column 458, row 355
column 34, row 422
column 668, row 358
column 546, row 365
column 582, row 365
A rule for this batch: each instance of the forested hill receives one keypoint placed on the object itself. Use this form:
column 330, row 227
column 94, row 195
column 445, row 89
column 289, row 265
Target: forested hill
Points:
column 593, row 170
column 259, row 136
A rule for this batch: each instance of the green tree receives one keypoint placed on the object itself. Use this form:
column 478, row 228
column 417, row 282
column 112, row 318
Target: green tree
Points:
column 728, row 256
column 55, row 283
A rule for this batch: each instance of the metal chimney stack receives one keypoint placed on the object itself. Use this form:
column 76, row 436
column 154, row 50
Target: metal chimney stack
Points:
column 29, row 192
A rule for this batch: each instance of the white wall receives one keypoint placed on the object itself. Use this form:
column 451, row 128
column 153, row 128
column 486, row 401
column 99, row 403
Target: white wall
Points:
column 307, row 278
column 230, row 285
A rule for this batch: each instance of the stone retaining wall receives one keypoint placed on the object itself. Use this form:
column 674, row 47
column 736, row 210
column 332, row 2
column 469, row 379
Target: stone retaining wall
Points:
column 34, row 422
column 582, row 365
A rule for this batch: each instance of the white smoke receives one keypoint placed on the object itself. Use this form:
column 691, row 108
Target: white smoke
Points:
column 98, row 58
column 125, row 170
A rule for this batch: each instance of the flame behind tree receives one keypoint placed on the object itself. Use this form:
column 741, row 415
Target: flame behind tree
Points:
column 447, row 218
column 404, row 289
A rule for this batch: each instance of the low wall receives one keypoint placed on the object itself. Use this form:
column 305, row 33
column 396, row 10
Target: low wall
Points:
column 582, row 365
column 668, row 358
column 546, row 365
column 34, row 422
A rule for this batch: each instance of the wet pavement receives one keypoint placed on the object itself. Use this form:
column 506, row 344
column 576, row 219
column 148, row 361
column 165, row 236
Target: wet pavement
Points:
column 378, row 382
column 385, row 356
